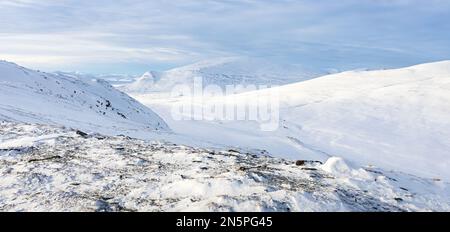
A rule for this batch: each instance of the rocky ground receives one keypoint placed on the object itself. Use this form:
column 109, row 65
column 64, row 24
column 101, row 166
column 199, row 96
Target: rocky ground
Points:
column 46, row 168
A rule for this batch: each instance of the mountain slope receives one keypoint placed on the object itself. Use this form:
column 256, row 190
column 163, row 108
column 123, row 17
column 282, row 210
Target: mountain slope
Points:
column 222, row 72
column 395, row 119
column 94, row 105
column 53, row 169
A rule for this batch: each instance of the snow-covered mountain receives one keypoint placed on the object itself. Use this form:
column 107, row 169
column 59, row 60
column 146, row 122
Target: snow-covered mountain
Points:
column 222, row 72
column 353, row 141
column 395, row 119
column 93, row 105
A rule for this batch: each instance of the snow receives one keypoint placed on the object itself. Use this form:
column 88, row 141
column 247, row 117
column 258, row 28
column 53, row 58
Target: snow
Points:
column 116, row 173
column 336, row 165
column 92, row 105
column 394, row 119
column 365, row 141
column 113, row 79
column 25, row 141
column 222, row 72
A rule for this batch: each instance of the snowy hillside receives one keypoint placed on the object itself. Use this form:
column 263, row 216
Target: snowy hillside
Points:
column 47, row 168
column 93, row 105
column 222, row 72
column 394, row 119
column 390, row 128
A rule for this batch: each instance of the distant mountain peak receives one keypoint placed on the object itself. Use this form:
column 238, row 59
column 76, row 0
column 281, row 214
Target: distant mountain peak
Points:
column 223, row 71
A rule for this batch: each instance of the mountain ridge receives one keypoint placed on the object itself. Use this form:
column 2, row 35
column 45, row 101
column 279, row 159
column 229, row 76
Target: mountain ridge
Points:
column 223, row 71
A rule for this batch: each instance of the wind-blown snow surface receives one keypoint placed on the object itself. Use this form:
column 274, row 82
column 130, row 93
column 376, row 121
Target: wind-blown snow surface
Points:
column 93, row 105
column 222, row 72
column 395, row 119
column 45, row 168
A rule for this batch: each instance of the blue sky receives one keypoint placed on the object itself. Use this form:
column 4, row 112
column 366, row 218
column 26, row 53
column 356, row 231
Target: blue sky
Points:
column 131, row 36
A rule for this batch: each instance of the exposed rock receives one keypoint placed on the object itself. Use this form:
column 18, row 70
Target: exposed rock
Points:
column 82, row 134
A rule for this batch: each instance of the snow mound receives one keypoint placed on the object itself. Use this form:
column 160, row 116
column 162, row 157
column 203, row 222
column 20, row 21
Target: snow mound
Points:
column 92, row 104
column 336, row 165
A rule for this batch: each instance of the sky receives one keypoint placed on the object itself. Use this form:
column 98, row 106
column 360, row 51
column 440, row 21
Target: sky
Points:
column 133, row 36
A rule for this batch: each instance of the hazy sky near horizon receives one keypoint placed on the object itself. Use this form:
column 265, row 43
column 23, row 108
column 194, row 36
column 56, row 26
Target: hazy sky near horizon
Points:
column 131, row 36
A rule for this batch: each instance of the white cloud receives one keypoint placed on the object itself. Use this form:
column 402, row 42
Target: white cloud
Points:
column 81, row 47
column 182, row 31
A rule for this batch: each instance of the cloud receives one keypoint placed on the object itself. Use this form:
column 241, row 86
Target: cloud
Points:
column 82, row 47
column 52, row 34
